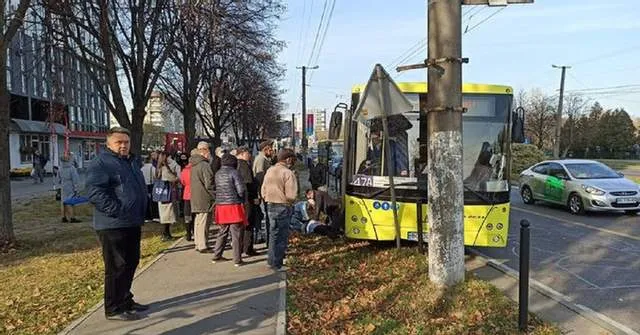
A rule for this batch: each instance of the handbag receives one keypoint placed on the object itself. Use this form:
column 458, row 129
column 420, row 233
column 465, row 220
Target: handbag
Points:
column 162, row 191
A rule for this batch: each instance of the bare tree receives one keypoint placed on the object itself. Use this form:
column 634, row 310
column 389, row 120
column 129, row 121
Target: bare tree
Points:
column 575, row 106
column 217, row 41
column 540, row 118
column 10, row 22
column 118, row 39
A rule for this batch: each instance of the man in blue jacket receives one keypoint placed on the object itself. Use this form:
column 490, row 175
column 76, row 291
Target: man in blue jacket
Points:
column 118, row 191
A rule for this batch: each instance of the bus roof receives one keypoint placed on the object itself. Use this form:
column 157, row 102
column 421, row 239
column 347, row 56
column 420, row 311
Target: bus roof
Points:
column 421, row 87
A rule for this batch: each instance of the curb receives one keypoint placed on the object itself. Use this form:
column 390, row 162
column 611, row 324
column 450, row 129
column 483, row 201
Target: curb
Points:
column 281, row 316
column 97, row 306
column 584, row 311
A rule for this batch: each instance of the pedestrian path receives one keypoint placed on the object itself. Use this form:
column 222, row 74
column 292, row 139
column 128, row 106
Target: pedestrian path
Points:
column 190, row 295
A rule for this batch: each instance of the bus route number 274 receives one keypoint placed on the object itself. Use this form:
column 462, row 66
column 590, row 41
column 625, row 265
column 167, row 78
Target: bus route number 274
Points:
column 362, row 180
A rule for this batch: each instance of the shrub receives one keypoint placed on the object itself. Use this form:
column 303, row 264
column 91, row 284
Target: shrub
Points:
column 523, row 156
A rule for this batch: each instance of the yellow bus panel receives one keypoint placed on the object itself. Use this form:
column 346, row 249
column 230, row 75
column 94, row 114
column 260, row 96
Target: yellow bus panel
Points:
column 371, row 219
column 421, row 87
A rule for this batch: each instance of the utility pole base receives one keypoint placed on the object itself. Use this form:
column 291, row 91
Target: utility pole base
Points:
column 446, row 208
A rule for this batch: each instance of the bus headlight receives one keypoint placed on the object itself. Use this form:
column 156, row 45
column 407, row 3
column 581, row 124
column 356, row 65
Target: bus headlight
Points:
column 354, row 218
column 489, row 226
column 499, row 226
column 363, row 220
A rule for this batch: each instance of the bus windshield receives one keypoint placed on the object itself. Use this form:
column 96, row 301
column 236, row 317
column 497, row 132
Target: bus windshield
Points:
column 485, row 143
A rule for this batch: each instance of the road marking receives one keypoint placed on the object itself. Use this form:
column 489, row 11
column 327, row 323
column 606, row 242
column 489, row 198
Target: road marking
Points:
column 577, row 223
column 562, row 299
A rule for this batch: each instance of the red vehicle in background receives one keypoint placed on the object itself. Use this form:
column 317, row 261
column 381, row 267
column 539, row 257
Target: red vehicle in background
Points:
column 175, row 142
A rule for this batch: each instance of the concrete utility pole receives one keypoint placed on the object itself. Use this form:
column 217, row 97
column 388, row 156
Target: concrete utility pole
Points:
column 293, row 131
column 304, row 142
column 556, row 144
column 444, row 123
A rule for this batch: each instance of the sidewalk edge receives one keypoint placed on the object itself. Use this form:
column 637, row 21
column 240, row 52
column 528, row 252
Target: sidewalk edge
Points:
column 97, row 306
column 281, row 316
column 586, row 312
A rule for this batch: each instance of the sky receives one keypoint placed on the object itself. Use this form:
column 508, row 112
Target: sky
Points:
column 514, row 45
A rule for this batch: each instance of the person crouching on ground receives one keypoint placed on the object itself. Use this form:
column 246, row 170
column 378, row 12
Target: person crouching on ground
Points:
column 117, row 190
column 229, row 211
column 280, row 190
column 166, row 172
column 202, row 195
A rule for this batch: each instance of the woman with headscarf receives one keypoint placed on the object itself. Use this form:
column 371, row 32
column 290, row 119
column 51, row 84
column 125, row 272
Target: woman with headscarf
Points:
column 229, row 210
column 167, row 173
column 69, row 181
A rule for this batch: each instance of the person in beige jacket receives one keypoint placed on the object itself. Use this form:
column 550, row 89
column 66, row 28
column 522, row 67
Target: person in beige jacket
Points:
column 166, row 172
column 280, row 191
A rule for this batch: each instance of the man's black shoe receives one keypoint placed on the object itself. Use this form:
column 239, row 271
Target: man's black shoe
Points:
column 139, row 307
column 124, row 316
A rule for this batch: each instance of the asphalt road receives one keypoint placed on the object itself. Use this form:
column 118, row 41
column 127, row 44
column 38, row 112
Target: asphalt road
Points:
column 592, row 259
column 24, row 188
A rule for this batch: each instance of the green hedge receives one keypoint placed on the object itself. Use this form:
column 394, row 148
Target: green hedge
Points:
column 523, row 156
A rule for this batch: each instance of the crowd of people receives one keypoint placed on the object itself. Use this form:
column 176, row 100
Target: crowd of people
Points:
column 204, row 187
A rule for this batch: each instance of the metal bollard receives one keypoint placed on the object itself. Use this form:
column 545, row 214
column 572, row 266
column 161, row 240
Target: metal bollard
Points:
column 523, row 299
column 420, row 227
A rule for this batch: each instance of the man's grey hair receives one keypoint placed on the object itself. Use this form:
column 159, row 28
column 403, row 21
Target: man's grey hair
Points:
column 203, row 145
column 195, row 152
column 118, row 130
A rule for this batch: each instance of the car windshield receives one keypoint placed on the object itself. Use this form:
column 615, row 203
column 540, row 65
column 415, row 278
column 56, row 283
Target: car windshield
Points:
column 591, row 171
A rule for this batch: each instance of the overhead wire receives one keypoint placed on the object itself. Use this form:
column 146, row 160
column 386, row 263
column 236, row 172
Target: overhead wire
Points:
column 422, row 44
column 324, row 36
column 467, row 30
column 315, row 40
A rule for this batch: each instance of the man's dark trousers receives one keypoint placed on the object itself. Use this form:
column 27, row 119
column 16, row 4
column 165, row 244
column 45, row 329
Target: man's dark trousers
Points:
column 121, row 255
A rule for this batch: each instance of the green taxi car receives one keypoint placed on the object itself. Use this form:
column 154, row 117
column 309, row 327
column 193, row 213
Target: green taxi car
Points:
column 581, row 185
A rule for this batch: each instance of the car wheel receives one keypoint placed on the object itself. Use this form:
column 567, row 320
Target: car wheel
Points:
column 632, row 212
column 527, row 195
column 575, row 204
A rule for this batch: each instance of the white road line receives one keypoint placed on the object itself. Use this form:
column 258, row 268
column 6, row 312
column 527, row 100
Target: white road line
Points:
column 564, row 300
column 575, row 223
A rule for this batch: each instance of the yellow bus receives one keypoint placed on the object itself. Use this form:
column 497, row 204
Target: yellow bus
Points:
column 487, row 137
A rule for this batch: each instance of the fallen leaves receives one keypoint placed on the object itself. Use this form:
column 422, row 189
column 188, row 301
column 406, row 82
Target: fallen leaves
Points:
column 346, row 287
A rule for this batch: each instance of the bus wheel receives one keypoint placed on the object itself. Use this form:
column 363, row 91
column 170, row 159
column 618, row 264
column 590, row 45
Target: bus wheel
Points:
column 575, row 204
column 527, row 195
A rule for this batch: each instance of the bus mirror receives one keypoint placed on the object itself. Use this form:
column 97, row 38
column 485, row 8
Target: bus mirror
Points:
column 517, row 126
column 335, row 126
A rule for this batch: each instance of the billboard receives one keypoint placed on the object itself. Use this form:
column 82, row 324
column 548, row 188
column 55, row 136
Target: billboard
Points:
column 310, row 124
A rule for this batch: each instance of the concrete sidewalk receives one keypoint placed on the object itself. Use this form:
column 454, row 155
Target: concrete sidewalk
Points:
column 190, row 295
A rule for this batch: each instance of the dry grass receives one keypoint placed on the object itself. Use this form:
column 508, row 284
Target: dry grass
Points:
column 55, row 274
column 357, row 288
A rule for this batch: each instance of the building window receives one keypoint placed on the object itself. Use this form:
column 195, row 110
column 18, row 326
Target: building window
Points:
column 30, row 143
column 24, row 82
column 8, row 79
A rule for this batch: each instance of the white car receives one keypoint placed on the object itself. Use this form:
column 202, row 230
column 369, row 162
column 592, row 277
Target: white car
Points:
column 581, row 185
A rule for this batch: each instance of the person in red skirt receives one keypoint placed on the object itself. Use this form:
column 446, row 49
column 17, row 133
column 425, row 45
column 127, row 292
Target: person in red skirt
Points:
column 229, row 209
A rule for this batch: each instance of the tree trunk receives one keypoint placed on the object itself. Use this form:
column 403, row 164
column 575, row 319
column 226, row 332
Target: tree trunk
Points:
column 136, row 129
column 189, row 123
column 6, row 225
